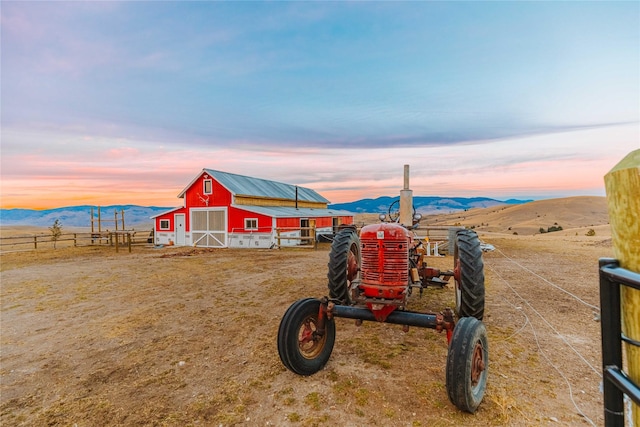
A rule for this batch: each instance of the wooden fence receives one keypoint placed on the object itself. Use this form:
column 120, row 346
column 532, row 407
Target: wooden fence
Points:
column 307, row 237
column 117, row 239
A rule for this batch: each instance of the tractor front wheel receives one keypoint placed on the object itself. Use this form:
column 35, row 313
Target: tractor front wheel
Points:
column 344, row 265
column 469, row 275
column 302, row 347
column 467, row 364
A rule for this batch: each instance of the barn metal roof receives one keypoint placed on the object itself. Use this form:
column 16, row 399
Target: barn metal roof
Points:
column 249, row 186
column 287, row 212
column 166, row 212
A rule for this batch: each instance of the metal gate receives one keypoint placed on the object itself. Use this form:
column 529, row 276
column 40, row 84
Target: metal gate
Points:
column 209, row 228
column 616, row 382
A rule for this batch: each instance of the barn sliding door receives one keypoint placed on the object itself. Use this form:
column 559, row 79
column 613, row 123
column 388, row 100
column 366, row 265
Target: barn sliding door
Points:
column 209, row 228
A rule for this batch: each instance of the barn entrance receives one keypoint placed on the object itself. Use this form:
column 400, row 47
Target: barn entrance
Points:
column 178, row 220
column 209, row 228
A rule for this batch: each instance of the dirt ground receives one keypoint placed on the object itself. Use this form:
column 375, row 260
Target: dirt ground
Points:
column 187, row 337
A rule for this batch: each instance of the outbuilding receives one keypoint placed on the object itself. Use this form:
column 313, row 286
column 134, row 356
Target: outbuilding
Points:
column 223, row 209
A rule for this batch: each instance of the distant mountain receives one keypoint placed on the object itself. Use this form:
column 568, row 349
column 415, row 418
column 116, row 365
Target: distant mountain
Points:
column 80, row 216
column 425, row 205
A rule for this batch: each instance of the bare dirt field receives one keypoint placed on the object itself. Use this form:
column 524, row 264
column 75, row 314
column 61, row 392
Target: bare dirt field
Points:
column 184, row 336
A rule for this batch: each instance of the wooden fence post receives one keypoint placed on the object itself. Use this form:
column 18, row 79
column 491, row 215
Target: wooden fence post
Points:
column 622, row 184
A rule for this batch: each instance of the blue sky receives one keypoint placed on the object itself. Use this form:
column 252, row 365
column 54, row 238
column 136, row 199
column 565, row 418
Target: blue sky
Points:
column 125, row 102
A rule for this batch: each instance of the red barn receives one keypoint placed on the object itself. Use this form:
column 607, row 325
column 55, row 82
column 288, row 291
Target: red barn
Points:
column 227, row 210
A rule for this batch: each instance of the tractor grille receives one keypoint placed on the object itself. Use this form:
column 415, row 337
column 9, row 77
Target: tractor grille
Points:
column 385, row 262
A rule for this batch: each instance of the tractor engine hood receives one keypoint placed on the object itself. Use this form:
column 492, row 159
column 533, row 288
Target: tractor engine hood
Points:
column 385, row 260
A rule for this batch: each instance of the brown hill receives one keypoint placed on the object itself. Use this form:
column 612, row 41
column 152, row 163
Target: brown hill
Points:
column 570, row 213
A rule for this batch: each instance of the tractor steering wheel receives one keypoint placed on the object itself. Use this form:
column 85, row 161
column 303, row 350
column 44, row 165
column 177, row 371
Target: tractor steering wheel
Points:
column 394, row 211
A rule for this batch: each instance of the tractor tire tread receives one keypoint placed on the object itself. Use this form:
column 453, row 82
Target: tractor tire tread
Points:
column 472, row 271
column 337, row 266
column 462, row 393
column 288, row 344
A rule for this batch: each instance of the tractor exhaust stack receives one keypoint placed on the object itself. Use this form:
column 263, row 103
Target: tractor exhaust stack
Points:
column 406, row 201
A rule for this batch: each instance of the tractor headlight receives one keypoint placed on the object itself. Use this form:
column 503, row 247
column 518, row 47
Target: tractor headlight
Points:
column 381, row 217
column 417, row 216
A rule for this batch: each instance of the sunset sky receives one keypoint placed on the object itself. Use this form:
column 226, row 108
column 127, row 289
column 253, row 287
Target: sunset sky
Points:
column 126, row 102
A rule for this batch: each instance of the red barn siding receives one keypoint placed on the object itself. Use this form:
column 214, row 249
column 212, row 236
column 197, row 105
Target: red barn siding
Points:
column 288, row 223
column 237, row 217
column 324, row 222
column 321, row 222
column 346, row 220
column 194, row 197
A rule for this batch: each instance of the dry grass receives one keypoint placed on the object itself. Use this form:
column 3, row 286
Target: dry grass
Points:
column 579, row 213
column 174, row 337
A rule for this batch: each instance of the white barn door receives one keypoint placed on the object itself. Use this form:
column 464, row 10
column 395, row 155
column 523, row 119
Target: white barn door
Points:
column 209, row 228
column 179, row 222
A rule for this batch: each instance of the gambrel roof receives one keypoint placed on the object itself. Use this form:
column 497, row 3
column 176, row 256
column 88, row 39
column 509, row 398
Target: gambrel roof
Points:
column 249, row 186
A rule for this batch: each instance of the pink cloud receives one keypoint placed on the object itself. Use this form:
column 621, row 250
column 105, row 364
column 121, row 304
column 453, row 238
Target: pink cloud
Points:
column 123, row 153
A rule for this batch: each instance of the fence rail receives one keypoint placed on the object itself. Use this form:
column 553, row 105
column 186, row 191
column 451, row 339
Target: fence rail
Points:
column 616, row 382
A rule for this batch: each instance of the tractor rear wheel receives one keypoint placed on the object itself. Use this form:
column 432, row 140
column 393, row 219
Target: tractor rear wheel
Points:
column 467, row 364
column 344, row 265
column 469, row 275
column 301, row 348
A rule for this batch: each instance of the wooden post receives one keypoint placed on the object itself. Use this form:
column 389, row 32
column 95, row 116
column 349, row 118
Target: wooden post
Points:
column 129, row 240
column 622, row 184
column 35, row 242
column 312, row 234
column 314, row 237
column 116, row 238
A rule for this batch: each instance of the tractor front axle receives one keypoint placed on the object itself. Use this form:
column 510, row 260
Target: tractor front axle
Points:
column 440, row 321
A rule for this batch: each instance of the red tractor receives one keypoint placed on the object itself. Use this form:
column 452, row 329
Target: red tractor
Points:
column 371, row 277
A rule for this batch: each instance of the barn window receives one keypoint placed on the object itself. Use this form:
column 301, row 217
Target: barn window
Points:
column 207, row 186
column 164, row 224
column 251, row 223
